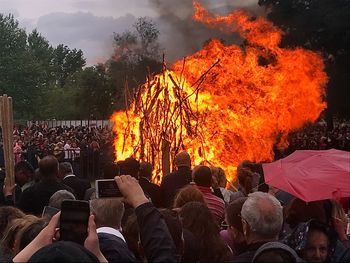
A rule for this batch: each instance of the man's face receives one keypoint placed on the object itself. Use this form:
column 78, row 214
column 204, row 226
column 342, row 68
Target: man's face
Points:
column 22, row 177
column 317, row 247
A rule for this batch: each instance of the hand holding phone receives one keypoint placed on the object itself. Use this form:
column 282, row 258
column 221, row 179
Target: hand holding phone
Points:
column 131, row 190
column 107, row 188
column 74, row 221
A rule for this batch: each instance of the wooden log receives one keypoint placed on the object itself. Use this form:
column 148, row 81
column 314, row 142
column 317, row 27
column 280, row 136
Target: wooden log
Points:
column 165, row 157
column 7, row 131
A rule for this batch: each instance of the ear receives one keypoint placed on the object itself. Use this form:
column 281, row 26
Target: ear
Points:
column 246, row 228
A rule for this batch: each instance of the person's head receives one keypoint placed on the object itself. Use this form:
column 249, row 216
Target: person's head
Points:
column 58, row 197
column 65, row 168
column 318, row 242
column 63, row 251
column 197, row 218
column 275, row 252
column 182, row 159
column 262, row 217
column 174, row 225
column 189, row 193
column 130, row 166
column 68, row 142
column 23, row 172
column 298, row 211
column 8, row 242
column 28, row 232
column 202, row 175
column 246, row 180
column 108, row 212
column 233, row 219
column 110, row 171
column 7, row 214
column 219, row 174
column 146, row 170
column 48, row 167
column 314, row 241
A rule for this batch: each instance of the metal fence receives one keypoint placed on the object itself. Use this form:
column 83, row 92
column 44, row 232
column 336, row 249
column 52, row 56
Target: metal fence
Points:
column 88, row 164
column 69, row 123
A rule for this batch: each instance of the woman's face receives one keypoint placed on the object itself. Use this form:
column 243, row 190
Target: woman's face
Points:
column 317, row 247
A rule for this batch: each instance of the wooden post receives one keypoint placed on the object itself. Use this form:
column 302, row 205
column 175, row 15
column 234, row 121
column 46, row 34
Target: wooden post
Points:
column 6, row 117
column 165, row 157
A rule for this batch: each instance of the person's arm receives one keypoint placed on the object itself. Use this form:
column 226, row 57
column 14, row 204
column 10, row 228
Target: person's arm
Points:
column 155, row 237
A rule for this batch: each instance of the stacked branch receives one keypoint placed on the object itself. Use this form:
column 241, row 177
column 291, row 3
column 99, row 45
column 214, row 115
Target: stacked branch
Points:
column 167, row 116
column 6, row 123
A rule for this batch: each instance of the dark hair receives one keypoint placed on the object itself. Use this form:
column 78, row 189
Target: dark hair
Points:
column 29, row 232
column 298, row 211
column 245, row 179
column 233, row 213
column 48, row 166
column 197, row 218
column 130, row 166
column 110, row 171
column 131, row 233
column 202, row 175
column 146, row 170
column 274, row 255
column 174, row 225
column 23, row 166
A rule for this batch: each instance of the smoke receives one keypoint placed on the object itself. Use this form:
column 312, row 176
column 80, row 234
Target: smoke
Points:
column 181, row 36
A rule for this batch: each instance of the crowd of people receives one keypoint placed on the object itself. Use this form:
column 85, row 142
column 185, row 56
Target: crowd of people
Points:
column 87, row 148
column 190, row 217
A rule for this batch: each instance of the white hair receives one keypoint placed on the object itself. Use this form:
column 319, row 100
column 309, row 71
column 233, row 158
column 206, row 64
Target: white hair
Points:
column 264, row 214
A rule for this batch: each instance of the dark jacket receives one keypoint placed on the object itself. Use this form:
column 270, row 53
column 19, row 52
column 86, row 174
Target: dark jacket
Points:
column 34, row 198
column 78, row 185
column 114, row 248
column 152, row 190
column 155, row 237
column 173, row 182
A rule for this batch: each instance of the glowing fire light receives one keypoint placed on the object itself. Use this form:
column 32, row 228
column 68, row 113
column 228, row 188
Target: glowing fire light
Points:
column 253, row 95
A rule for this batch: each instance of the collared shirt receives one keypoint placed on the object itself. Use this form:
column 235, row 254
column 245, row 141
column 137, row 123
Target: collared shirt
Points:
column 111, row 231
column 69, row 175
column 215, row 204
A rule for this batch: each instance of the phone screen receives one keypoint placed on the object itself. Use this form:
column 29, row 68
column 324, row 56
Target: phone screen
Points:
column 107, row 188
column 74, row 221
column 49, row 212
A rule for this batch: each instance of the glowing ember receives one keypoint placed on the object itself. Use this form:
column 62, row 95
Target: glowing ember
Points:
column 249, row 98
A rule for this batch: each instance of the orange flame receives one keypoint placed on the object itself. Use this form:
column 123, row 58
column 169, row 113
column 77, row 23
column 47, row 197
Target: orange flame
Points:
column 253, row 95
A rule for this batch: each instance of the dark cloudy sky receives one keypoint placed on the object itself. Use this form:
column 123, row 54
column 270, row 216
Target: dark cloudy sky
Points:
column 89, row 24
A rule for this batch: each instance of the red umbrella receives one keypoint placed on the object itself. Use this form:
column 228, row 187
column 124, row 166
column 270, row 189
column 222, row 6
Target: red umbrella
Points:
column 311, row 175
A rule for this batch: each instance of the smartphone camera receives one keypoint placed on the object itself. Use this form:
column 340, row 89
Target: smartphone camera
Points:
column 74, row 221
column 107, row 188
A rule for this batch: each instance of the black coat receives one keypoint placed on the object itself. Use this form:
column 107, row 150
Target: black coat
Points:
column 151, row 190
column 173, row 182
column 34, row 198
column 114, row 248
column 156, row 240
column 78, row 185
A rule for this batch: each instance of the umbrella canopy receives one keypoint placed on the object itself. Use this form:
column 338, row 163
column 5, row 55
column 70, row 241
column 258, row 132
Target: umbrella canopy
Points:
column 311, row 175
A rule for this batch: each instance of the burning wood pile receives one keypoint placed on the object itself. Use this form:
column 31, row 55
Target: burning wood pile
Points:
column 225, row 103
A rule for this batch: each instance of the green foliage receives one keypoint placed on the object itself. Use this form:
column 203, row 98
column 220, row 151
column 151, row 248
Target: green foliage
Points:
column 31, row 70
column 51, row 82
column 137, row 54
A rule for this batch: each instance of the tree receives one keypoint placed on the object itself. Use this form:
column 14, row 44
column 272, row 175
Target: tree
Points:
column 137, row 53
column 322, row 25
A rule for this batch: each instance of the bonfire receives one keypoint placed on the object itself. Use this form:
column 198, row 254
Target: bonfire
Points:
column 225, row 103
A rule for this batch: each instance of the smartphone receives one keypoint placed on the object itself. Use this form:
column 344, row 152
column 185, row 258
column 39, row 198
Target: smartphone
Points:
column 74, row 221
column 107, row 188
column 49, row 212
